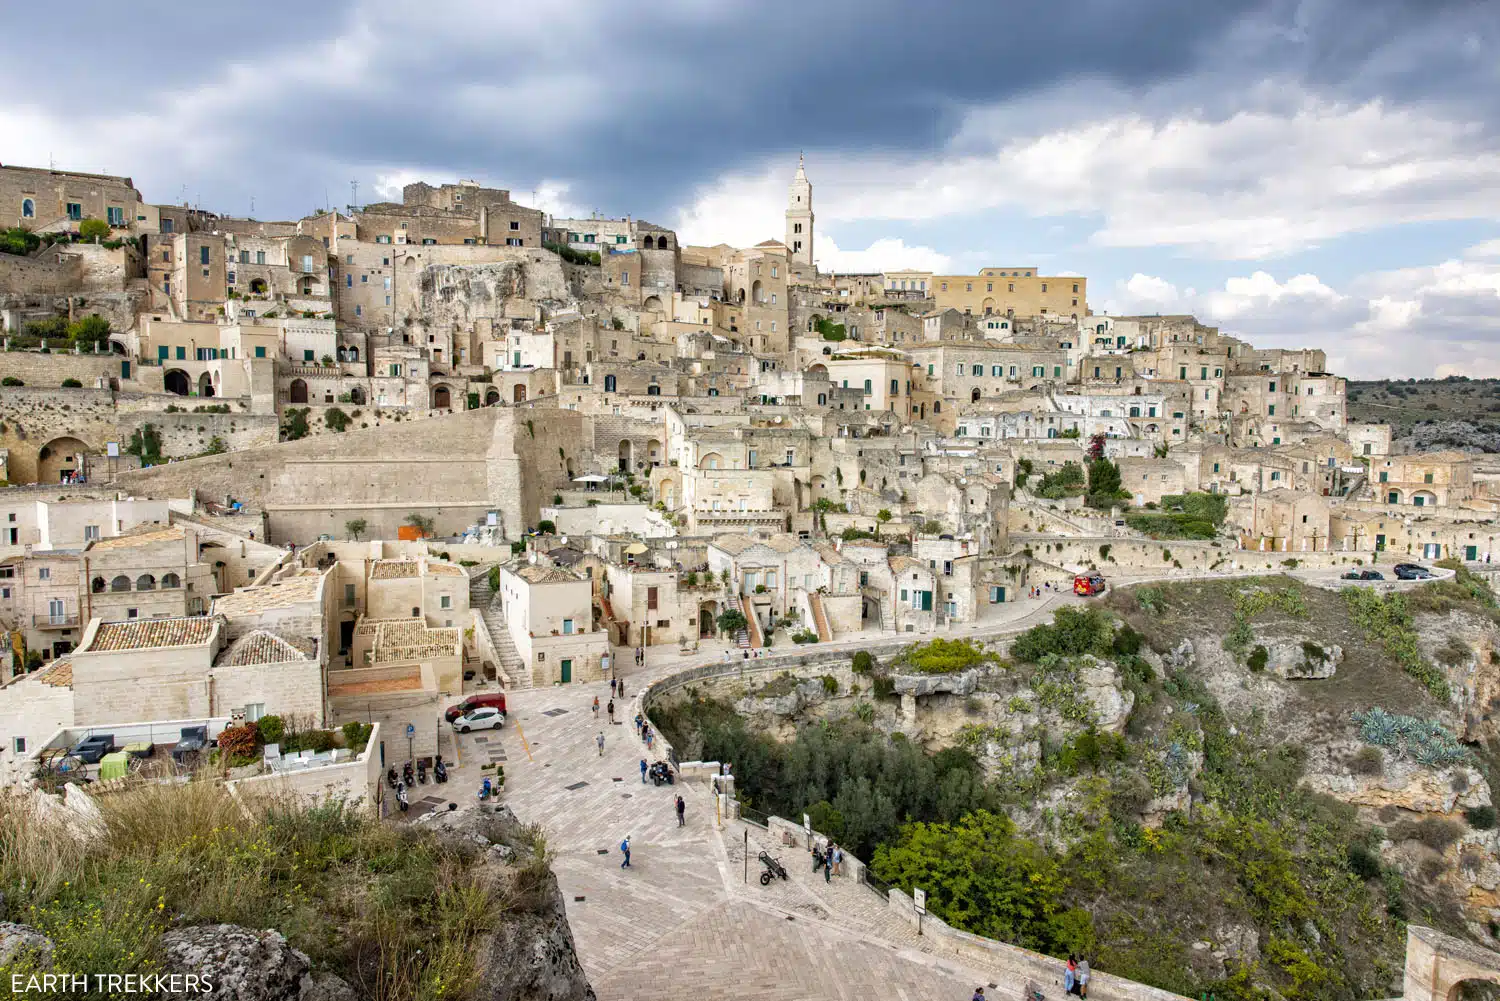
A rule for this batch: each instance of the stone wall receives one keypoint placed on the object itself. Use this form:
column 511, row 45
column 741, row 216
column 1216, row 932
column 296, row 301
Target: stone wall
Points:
column 1137, row 555
column 52, row 273
column 49, row 370
column 356, row 781
column 452, row 469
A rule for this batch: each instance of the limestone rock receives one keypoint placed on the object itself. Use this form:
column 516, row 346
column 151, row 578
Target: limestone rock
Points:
column 1101, row 687
column 247, row 965
column 1179, row 658
column 1298, row 658
column 18, row 940
column 530, row 957
column 961, row 683
column 1403, row 783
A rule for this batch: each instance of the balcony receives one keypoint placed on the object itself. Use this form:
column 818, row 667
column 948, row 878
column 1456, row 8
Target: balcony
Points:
column 60, row 620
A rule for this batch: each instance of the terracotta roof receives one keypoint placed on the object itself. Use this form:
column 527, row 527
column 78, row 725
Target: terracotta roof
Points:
column 547, row 575
column 903, row 563
column 784, row 542
column 252, row 600
column 151, row 634
column 408, row 640
column 392, row 569
column 733, row 544
column 138, row 538
column 58, row 674
column 262, row 647
column 338, row 687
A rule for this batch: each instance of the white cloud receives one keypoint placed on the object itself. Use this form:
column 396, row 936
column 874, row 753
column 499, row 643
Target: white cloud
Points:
column 882, row 255
column 1258, row 183
column 1437, row 320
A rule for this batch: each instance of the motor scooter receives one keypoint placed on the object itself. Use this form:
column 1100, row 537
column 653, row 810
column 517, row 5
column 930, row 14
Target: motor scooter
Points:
column 390, row 777
column 440, row 771
column 422, row 770
column 401, row 797
column 406, row 774
column 485, row 790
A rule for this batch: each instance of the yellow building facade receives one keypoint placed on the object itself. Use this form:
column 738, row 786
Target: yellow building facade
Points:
column 1012, row 292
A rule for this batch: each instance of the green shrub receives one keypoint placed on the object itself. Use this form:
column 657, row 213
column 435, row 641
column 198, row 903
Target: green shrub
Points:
column 863, row 662
column 546, row 527
column 944, row 656
column 1367, row 761
column 883, row 686
column 71, row 384
column 93, row 229
column 1258, row 659
column 1481, row 818
column 1362, row 862
column 494, row 574
column 357, row 735
column 830, row 684
column 18, row 240
column 272, row 729
column 336, row 419
column 804, row 636
column 1071, row 633
column 11, row 380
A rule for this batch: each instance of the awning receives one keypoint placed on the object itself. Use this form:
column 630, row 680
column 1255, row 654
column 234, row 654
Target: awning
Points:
column 636, row 549
column 591, row 478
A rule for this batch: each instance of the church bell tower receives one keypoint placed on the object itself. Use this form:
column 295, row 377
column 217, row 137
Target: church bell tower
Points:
column 799, row 218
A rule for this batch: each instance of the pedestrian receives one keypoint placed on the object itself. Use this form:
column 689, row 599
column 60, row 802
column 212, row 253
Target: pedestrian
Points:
column 726, row 655
column 828, row 863
column 638, row 722
column 1084, row 974
column 1070, row 974
column 611, row 710
column 643, row 771
column 600, row 741
column 625, row 849
column 596, row 707
column 978, row 994
column 838, row 861
column 622, row 688
column 681, row 811
column 640, row 655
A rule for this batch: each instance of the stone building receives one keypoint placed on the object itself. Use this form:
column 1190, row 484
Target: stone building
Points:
column 1012, row 292
column 56, row 201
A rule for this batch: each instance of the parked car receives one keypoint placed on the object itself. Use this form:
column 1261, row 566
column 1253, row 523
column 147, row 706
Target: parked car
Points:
column 483, row 718
column 91, row 749
column 495, row 700
column 1362, row 575
column 1088, row 584
column 1413, row 571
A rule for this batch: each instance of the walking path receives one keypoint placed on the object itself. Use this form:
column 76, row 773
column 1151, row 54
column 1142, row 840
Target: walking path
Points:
column 683, row 921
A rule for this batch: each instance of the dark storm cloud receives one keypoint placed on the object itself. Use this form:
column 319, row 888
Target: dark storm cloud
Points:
column 634, row 106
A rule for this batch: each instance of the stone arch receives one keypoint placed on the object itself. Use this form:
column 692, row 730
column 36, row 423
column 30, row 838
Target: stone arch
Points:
column 1393, row 497
column 28, row 208
column 812, row 323
column 661, row 243
column 1423, row 498
column 257, row 286
column 625, row 455
column 989, row 306
column 170, row 581
column 740, row 295
column 120, row 583
column 757, row 292
column 145, row 582
column 177, row 381
column 713, row 460
column 653, row 302
column 1438, row 965
column 666, row 492
column 61, row 456
column 357, row 395
column 818, row 369
column 491, row 396
column 518, row 393
column 974, row 395
column 298, row 391
column 442, row 398
column 205, row 385
column 98, row 585
column 708, row 614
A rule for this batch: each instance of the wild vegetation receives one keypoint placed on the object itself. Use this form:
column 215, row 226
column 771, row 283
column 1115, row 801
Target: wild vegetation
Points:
column 1193, row 824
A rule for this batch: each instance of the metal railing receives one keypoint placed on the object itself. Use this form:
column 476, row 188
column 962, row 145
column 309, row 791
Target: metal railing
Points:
column 63, row 621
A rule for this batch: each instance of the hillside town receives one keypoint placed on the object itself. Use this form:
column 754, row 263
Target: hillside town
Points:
column 350, row 470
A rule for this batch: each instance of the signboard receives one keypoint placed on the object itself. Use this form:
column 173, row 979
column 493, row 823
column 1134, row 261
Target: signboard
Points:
column 112, row 449
column 491, row 520
column 919, row 897
column 807, row 826
column 411, row 730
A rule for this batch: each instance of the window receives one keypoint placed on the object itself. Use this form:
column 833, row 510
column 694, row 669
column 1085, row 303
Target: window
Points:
column 383, row 238
column 445, row 601
column 514, row 225
column 44, row 573
column 944, row 286
column 260, row 351
column 624, row 277
column 75, row 210
column 202, row 255
column 166, row 225
column 364, row 279
column 181, row 353
column 307, row 354
column 116, row 215
column 567, row 627
column 651, row 597
column 28, row 208
column 1271, row 410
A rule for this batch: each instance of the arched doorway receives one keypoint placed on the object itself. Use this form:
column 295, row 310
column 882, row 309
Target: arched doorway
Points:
column 661, row 243
column 518, row 393
column 708, row 613
column 652, row 303
column 357, row 395
column 257, row 286
column 757, row 292
column 491, row 397
column 974, row 395
column 177, row 381
column 353, row 353
column 989, row 306
column 205, row 385
column 442, row 398
column 298, row 391
column 61, row 459
column 624, row 455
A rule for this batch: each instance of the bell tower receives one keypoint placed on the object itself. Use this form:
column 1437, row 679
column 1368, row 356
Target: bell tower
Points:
column 799, row 217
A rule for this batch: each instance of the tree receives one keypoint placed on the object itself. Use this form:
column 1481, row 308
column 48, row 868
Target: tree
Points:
column 421, row 523
column 18, row 240
column 545, row 527
column 731, row 621
column 980, row 876
column 355, row 528
column 89, row 329
column 336, row 419
column 294, row 423
column 93, row 229
column 1104, row 484
column 881, row 517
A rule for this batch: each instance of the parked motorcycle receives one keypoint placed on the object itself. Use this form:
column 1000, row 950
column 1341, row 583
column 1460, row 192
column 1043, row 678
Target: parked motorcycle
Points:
column 406, row 774
column 390, row 777
column 422, row 771
column 485, row 790
column 440, row 771
column 401, row 797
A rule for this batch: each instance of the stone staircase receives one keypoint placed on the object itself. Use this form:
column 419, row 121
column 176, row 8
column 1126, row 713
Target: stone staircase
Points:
column 755, row 638
column 820, row 618
column 487, row 603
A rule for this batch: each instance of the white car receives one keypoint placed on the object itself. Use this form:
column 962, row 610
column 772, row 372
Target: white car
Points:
column 483, row 718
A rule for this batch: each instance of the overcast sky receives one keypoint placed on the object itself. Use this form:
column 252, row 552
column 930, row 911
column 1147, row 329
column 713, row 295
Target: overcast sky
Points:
column 1302, row 172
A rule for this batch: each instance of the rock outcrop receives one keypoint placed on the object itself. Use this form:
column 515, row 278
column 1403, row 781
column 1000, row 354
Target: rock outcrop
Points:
column 247, row 965
column 961, row 683
column 1297, row 659
column 17, row 941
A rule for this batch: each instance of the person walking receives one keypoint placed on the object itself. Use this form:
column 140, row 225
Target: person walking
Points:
column 828, row 863
column 611, row 710
column 596, row 707
column 625, row 850
column 600, row 741
column 978, row 994
column 622, row 688
column 1084, row 975
column 681, row 811
column 1070, row 974
column 643, row 771
column 638, row 721
column 838, row 861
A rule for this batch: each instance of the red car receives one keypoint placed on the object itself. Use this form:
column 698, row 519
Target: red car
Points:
column 495, row 699
column 1088, row 584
